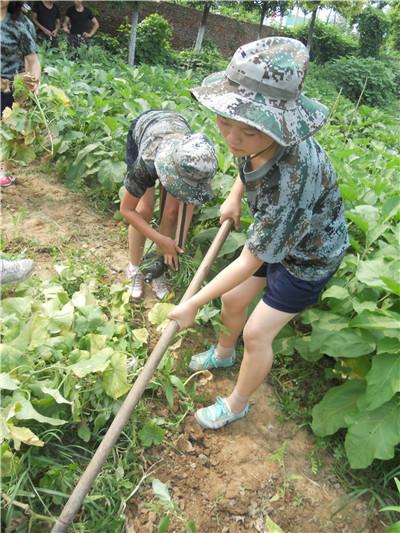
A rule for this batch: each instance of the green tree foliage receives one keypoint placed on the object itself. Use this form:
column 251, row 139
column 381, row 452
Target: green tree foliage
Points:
column 367, row 79
column 329, row 42
column 373, row 27
column 394, row 21
column 153, row 39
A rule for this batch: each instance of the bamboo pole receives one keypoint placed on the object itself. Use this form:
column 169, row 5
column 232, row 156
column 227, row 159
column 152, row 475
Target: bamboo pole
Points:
column 121, row 419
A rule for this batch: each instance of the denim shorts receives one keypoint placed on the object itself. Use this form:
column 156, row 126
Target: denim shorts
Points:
column 287, row 293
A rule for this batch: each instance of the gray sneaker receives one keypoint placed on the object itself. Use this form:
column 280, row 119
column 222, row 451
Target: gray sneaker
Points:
column 15, row 271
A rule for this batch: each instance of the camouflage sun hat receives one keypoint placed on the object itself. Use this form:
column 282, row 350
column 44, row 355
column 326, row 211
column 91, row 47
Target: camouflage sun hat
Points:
column 262, row 88
column 186, row 166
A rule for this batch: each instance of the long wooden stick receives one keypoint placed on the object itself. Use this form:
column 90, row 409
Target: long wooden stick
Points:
column 121, row 419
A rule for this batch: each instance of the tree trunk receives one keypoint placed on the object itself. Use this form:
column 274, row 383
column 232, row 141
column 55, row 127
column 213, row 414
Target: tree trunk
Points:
column 202, row 29
column 311, row 29
column 263, row 11
column 132, row 42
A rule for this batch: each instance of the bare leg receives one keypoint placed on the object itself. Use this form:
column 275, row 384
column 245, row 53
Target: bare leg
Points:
column 136, row 240
column 261, row 329
column 234, row 309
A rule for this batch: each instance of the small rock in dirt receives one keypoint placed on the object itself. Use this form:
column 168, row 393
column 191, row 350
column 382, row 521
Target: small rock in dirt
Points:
column 152, row 517
column 193, row 465
column 225, row 530
column 203, row 459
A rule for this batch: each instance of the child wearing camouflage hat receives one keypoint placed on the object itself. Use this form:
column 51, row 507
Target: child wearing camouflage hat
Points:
column 298, row 237
column 161, row 145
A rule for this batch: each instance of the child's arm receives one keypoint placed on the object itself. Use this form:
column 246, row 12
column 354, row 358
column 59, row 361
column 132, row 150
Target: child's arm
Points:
column 231, row 207
column 238, row 271
column 166, row 244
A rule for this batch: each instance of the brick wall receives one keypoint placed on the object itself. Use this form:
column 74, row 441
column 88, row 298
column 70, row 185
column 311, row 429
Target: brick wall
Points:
column 227, row 33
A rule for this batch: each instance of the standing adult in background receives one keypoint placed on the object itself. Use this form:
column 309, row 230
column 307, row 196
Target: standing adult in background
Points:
column 77, row 23
column 46, row 17
column 18, row 57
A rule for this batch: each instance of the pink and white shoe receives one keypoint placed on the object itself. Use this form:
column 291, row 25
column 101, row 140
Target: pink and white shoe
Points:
column 6, row 180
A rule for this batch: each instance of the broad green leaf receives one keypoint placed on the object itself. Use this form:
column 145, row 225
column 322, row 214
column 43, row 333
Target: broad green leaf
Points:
column 160, row 489
column 191, row 527
column 24, row 410
column 115, row 377
column 235, row 241
column 84, row 432
column 111, row 172
column 158, row 313
column 63, row 318
column 373, row 435
column 8, row 461
column 271, row 527
column 387, row 345
column 24, row 435
column 18, row 305
column 364, row 216
column 7, row 382
column 371, row 271
column 394, row 528
column 38, row 330
column 359, row 365
column 380, row 320
column 347, row 342
column 151, row 434
column 141, row 335
column 392, row 284
column 96, row 342
column 383, row 381
column 24, row 154
column 303, row 346
column 330, row 413
column 96, row 363
column 83, row 298
column 177, row 382
column 335, row 291
column 54, row 393
column 163, row 525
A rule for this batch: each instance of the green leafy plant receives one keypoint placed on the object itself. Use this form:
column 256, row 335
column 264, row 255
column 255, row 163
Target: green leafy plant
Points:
column 153, row 37
column 366, row 80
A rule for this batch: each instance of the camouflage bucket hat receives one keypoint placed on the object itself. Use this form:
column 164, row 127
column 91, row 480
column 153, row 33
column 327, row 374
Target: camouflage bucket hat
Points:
column 186, row 167
column 262, row 88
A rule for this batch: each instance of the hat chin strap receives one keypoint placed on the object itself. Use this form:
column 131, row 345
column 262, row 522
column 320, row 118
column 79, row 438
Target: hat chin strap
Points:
column 251, row 157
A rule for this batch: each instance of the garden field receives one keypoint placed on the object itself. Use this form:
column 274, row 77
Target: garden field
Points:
column 320, row 449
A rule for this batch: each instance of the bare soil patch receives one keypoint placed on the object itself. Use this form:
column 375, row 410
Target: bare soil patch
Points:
column 226, row 481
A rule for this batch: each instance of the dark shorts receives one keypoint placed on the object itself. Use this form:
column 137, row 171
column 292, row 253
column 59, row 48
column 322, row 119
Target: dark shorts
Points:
column 287, row 293
column 6, row 100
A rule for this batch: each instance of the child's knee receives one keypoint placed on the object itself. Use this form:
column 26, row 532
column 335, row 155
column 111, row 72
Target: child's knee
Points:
column 254, row 337
column 233, row 302
column 145, row 212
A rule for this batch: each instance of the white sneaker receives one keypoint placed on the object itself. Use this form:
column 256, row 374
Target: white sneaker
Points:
column 15, row 271
column 136, row 288
column 159, row 287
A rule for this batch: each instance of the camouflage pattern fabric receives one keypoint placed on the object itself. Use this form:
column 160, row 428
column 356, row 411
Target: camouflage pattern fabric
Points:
column 298, row 211
column 194, row 162
column 161, row 145
column 262, row 88
column 17, row 40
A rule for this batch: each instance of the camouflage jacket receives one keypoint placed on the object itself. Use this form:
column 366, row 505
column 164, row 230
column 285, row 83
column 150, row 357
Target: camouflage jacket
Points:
column 17, row 40
column 298, row 211
column 145, row 136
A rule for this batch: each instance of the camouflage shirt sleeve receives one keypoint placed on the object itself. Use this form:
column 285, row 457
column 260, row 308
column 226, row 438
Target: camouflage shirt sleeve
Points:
column 139, row 178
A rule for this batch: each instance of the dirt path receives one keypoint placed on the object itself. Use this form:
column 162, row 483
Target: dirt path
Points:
column 227, row 481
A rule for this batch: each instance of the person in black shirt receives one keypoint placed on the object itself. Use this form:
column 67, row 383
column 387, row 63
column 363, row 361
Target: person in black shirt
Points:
column 46, row 17
column 77, row 23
